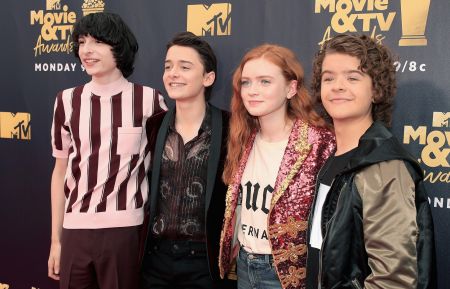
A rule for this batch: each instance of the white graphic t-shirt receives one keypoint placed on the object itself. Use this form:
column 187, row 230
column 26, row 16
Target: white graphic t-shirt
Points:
column 257, row 187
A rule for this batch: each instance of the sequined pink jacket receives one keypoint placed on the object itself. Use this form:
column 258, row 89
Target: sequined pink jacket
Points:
column 307, row 149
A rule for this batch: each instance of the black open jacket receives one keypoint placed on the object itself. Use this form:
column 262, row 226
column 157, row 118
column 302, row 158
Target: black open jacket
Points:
column 215, row 188
column 344, row 261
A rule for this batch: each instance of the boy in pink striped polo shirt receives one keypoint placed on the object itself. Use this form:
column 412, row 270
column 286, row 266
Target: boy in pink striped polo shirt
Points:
column 102, row 138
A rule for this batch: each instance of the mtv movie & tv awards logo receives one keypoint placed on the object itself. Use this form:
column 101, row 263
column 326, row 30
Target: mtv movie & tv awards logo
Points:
column 435, row 151
column 209, row 20
column 56, row 26
column 56, row 23
column 375, row 17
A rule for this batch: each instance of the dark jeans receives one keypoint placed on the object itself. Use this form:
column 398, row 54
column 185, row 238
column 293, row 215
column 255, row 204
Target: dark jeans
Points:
column 177, row 264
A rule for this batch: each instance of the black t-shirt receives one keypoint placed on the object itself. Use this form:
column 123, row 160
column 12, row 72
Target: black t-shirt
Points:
column 333, row 166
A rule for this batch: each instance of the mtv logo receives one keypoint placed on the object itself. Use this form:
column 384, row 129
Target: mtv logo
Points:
column 440, row 119
column 53, row 5
column 15, row 125
column 212, row 20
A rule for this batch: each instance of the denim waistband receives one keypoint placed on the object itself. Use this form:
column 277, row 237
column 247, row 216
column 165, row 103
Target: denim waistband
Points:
column 268, row 258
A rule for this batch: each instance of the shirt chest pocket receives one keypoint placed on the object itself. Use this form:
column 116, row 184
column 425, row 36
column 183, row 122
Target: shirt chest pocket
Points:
column 129, row 140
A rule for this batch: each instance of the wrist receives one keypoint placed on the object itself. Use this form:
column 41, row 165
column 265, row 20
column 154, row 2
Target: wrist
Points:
column 55, row 241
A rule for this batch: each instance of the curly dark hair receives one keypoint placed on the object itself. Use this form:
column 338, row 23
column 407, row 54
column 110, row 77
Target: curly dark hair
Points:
column 376, row 60
column 112, row 30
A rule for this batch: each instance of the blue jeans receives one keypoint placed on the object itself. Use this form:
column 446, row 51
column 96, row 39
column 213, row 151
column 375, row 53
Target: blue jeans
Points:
column 256, row 271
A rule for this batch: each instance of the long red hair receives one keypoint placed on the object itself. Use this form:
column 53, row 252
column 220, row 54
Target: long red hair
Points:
column 242, row 124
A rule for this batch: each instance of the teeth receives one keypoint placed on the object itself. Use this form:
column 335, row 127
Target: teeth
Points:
column 176, row 84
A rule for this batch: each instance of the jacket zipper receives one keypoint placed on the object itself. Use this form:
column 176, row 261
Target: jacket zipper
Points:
column 316, row 189
column 313, row 205
column 326, row 231
column 355, row 284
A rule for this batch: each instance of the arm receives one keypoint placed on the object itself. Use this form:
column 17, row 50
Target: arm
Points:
column 389, row 222
column 57, row 201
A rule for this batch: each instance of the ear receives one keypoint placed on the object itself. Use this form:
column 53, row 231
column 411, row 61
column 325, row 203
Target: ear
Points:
column 292, row 89
column 375, row 96
column 208, row 79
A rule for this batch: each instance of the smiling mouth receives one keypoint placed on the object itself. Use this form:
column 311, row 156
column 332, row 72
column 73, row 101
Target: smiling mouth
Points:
column 339, row 100
column 176, row 84
column 254, row 102
column 90, row 61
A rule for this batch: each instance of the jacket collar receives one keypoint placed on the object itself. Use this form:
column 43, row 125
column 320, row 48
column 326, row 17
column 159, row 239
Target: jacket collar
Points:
column 376, row 145
column 296, row 152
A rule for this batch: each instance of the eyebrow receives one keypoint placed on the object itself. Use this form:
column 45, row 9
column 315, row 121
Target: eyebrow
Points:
column 259, row 77
column 181, row 61
column 346, row 72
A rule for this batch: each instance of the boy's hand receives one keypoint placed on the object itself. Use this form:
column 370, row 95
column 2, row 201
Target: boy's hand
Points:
column 53, row 261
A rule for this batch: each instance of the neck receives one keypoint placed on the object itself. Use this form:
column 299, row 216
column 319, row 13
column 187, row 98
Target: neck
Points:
column 190, row 113
column 276, row 129
column 189, row 117
column 348, row 134
column 108, row 88
column 107, row 79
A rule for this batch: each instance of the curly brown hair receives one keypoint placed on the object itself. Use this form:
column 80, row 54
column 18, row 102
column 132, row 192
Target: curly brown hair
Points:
column 376, row 60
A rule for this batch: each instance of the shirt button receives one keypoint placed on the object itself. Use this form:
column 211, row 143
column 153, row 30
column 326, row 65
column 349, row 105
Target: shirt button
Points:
column 175, row 247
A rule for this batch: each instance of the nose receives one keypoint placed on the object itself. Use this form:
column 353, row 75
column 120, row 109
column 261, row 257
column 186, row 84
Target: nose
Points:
column 252, row 89
column 339, row 84
column 86, row 48
column 172, row 72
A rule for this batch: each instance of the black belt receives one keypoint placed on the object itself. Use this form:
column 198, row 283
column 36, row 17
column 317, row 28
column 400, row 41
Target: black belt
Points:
column 178, row 247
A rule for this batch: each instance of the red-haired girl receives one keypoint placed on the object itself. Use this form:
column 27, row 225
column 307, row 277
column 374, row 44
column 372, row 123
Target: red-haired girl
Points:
column 276, row 145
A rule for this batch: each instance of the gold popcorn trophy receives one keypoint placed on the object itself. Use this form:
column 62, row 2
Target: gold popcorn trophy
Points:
column 414, row 22
column 92, row 6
